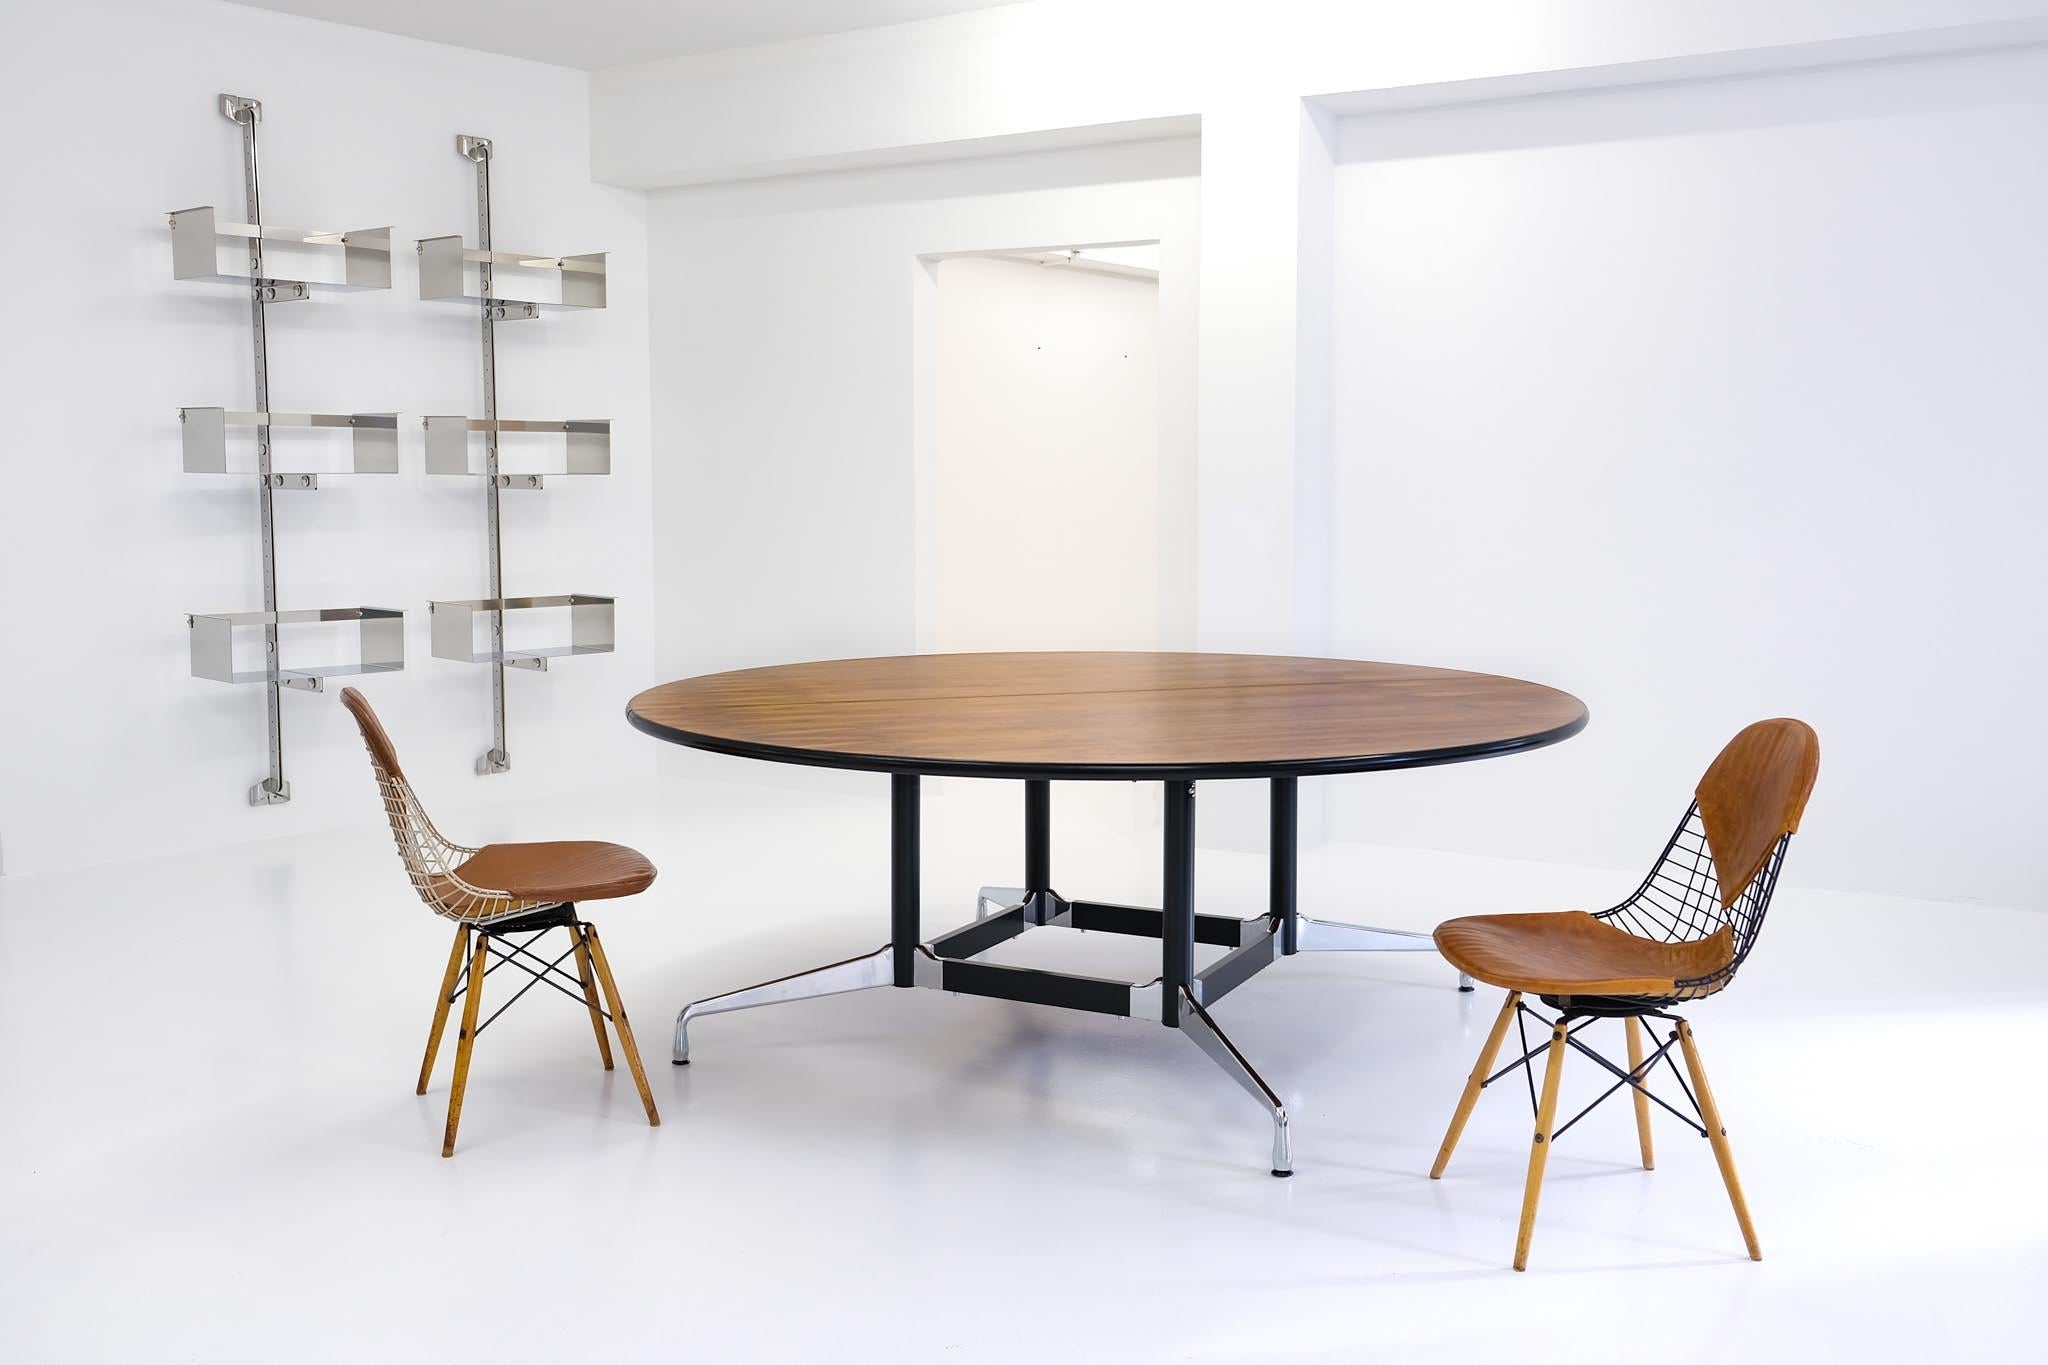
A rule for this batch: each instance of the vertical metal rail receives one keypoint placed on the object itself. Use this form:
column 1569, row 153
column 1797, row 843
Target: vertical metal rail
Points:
column 272, row 790
column 478, row 151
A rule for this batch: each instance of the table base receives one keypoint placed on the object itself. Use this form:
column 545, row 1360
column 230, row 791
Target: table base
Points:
column 1179, row 997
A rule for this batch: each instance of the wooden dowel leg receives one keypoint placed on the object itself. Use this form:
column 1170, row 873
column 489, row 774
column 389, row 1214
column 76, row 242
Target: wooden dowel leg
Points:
column 1635, row 1066
column 604, row 1045
column 1470, row 1098
column 1717, row 1134
column 472, row 1000
column 455, row 959
column 619, row 1022
column 1539, row 1150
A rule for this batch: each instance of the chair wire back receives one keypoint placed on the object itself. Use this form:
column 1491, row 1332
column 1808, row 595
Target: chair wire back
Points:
column 432, row 861
column 1681, row 901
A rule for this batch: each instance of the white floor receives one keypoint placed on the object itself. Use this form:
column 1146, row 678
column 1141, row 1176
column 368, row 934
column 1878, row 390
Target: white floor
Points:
column 210, row 1149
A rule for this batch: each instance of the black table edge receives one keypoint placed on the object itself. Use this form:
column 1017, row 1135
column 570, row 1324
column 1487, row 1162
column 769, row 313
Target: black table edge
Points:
column 1110, row 772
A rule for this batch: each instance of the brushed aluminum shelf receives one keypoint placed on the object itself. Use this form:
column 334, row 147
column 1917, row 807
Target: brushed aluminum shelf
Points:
column 374, row 442
column 380, row 645
column 589, row 446
column 454, row 629
column 444, row 276
column 196, row 234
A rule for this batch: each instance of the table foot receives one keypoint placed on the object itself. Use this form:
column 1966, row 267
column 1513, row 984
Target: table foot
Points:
column 1199, row 1027
column 854, row 974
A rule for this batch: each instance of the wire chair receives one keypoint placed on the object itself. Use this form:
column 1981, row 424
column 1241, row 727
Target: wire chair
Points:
column 433, row 862
column 1680, row 937
column 541, row 885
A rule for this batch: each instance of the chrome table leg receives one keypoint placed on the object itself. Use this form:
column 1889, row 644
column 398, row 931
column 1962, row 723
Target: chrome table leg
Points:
column 1198, row 1026
column 854, row 974
column 1328, row 936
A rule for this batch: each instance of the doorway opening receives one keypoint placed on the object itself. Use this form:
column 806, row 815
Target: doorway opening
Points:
column 1042, row 493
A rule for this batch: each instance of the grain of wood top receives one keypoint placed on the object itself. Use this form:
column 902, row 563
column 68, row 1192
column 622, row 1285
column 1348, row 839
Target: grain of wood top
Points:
column 1107, row 715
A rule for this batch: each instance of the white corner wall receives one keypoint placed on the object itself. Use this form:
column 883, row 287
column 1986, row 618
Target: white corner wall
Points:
column 109, row 747
column 1711, row 402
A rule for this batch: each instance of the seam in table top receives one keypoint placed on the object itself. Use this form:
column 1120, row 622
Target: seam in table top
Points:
column 1061, row 692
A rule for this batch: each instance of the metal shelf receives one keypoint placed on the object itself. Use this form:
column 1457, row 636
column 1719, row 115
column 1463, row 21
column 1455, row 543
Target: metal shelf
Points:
column 588, row 446
column 444, row 270
column 380, row 645
column 454, row 625
column 374, row 446
column 196, row 235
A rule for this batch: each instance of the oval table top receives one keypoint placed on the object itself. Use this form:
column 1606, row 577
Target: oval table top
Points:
column 1124, row 716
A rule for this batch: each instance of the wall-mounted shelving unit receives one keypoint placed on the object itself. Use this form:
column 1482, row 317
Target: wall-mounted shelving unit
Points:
column 196, row 235
column 453, row 272
column 373, row 449
column 455, row 629
column 586, row 450
column 380, row 645
column 446, row 269
column 365, row 263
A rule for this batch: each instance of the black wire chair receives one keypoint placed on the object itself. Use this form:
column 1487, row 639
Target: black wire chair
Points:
column 1681, row 937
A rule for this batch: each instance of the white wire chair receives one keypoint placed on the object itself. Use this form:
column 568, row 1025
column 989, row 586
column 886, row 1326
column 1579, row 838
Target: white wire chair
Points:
column 552, row 877
column 434, row 862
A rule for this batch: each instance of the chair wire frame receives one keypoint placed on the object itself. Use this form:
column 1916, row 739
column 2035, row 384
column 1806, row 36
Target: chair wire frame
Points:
column 433, row 862
column 1680, row 901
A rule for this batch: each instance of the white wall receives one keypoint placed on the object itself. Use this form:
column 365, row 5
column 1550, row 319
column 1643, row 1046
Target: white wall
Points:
column 1042, row 508
column 794, row 318
column 1711, row 402
column 1059, row 72
column 110, row 748
column 1767, row 284
column 1816, row 298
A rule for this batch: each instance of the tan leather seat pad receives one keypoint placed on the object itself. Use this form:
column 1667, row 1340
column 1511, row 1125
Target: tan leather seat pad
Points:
column 1568, row 952
column 571, row 871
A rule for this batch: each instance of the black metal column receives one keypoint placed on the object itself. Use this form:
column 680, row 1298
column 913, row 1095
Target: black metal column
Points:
column 1177, row 941
column 1281, row 853
column 1037, row 837
column 904, row 891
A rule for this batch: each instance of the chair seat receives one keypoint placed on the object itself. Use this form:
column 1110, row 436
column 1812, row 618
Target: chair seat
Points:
column 1569, row 952
column 573, row 871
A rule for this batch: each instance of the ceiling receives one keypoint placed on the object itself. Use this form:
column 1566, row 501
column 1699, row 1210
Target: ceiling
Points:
column 597, row 33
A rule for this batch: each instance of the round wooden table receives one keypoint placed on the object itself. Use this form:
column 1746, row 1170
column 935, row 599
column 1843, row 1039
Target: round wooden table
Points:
column 1171, row 718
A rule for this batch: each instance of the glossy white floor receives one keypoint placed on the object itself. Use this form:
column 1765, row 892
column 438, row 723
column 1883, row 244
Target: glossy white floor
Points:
column 212, row 1151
